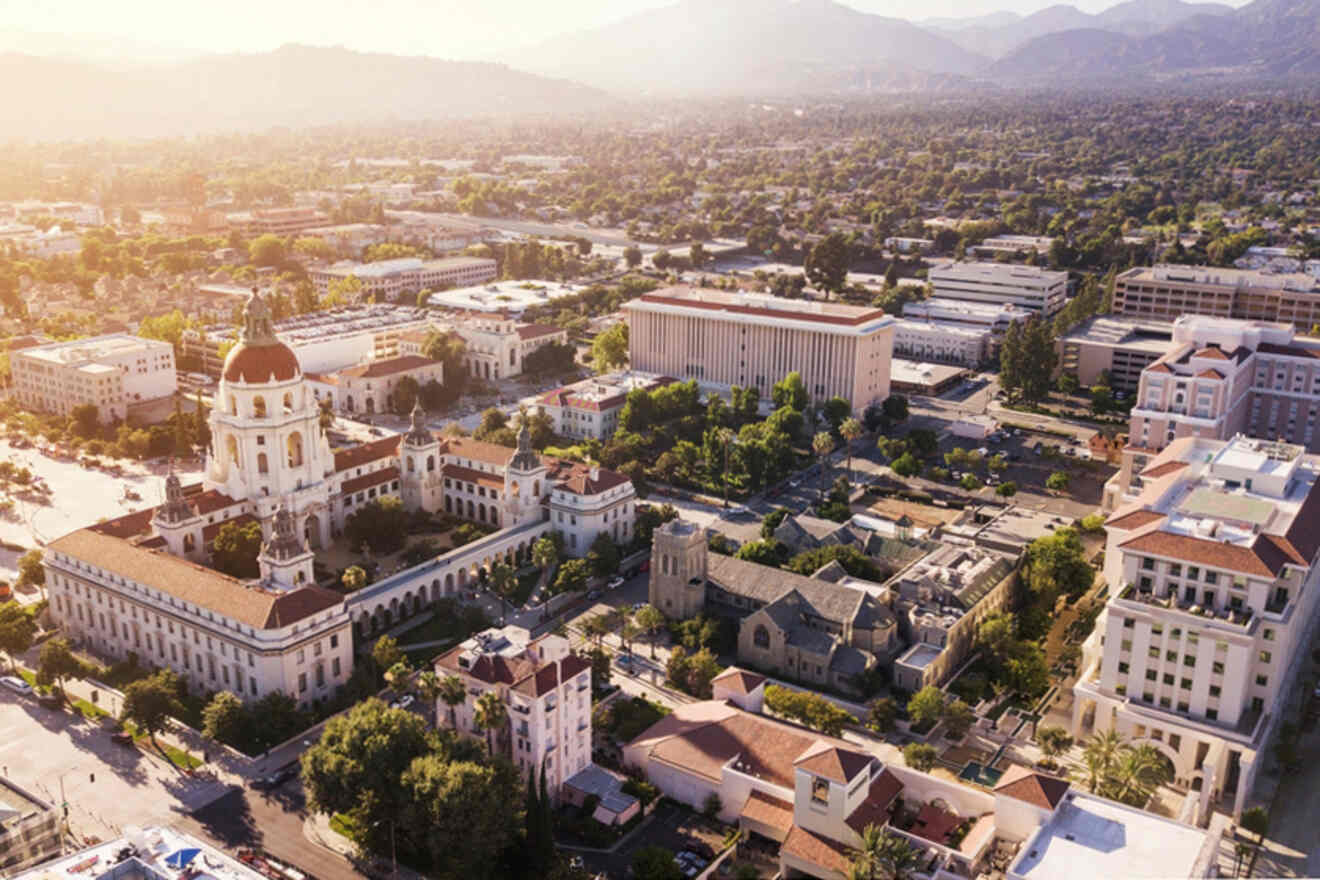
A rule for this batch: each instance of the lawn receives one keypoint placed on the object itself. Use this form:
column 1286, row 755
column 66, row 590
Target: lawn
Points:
column 178, row 757
column 450, row 623
column 344, row 825
column 628, row 718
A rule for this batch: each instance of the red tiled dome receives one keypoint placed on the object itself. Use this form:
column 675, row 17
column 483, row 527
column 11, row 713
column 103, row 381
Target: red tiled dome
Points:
column 258, row 363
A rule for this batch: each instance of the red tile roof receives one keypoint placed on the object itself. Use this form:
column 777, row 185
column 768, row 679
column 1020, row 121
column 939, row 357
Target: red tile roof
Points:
column 260, row 363
column 1233, row 557
column 875, row 809
column 356, row 456
column 1212, row 352
column 1288, row 350
column 577, row 478
column 835, row 764
column 366, row 481
column 739, row 680
column 768, row 811
column 472, row 475
column 388, row 367
column 816, row 849
column 476, row 450
column 1159, row 368
column 1134, row 520
column 1033, row 788
column 535, row 331
column 1209, row 374
column 1163, row 469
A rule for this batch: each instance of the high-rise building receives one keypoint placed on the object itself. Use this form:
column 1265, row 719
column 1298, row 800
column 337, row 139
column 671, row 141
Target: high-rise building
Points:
column 1168, row 292
column 1213, row 582
column 724, row 339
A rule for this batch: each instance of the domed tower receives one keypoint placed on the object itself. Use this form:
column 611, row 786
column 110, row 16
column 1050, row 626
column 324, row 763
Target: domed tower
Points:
column 266, row 437
column 176, row 521
column 524, row 480
column 419, row 464
column 678, row 569
column 285, row 560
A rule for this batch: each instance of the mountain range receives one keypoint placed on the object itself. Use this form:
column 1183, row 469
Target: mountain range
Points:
column 292, row 86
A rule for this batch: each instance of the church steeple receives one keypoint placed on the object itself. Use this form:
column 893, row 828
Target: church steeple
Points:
column 418, row 435
column 258, row 329
column 525, row 459
column 176, row 508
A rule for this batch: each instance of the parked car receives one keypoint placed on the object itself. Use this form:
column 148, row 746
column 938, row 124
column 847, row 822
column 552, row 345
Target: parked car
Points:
column 593, row 594
column 276, row 779
column 403, row 702
column 17, row 685
column 614, row 584
column 624, row 662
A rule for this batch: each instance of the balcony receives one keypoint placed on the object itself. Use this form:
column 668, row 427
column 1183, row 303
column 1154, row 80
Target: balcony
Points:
column 1234, row 617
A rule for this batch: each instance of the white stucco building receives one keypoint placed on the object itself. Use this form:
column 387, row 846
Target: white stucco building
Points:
column 591, row 408
column 111, row 372
column 1039, row 291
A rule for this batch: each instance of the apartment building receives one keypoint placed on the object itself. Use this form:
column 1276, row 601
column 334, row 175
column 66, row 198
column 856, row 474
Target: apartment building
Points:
column 1036, row 290
column 815, row 796
column 111, row 372
column 1119, row 348
column 1213, row 582
column 943, row 343
column 591, row 408
column 1221, row 378
column 545, row 687
column 723, row 339
column 387, row 279
column 1167, row 292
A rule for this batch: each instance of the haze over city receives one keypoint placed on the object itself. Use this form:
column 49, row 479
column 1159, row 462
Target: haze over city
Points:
column 740, row 439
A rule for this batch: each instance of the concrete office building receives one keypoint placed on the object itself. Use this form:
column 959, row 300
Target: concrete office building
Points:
column 1012, row 246
column 1039, row 291
column 724, row 339
column 995, row 318
column 1121, row 347
column 1221, row 378
column 277, row 221
column 110, row 372
column 387, row 279
column 1213, row 582
column 944, row 343
column 1168, row 292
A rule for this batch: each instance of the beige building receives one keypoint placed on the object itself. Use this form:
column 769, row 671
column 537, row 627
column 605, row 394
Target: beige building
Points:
column 723, row 339
column 1167, row 292
column 496, row 346
column 110, row 372
column 386, row 280
column 1036, row 290
column 942, row 343
column 369, row 387
column 277, row 221
column 591, row 408
column 1220, row 378
column 1115, row 346
column 30, row 828
column 1213, row 587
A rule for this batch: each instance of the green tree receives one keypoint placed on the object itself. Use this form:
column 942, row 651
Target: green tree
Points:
column 503, row 582
column 881, row 713
column 1006, row 489
column 226, row 720
column 1057, row 482
column 651, row 620
column 1056, row 564
column 609, row 350
column 827, row 263
column 655, row 863
column 1257, row 821
column 926, row 706
column 822, row 444
column 56, row 662
column 86, row 420
column 354, row 578
column 381, row 524
column 632, row 256
column 573, row 576
column 17, row 630
column 150, row 702
column 491, row 715
column 31, row 572
column 791, row 392
column 920, row 756
column 235, row 549
column 906, row 465
column 545, row 556
column 386, row 652
column 604, row 556
column 850, row 430
column 958, row 718
column 454, row 693
column 1053, row 741
column 464, row 813
column 772, row 521
column 266, row 250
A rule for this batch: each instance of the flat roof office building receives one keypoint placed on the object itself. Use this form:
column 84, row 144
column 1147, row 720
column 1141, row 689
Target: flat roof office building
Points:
column 724, row 339
column 1168, row 292
column 1036, row 290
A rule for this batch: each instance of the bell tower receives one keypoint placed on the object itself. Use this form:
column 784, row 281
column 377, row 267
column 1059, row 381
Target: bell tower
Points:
column 678, row 569
column 285, row 559
column 176, row 521
column 419, row 462
column 524, row 480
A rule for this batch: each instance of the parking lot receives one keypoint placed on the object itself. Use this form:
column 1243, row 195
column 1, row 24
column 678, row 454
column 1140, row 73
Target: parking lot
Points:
column 107, row 786
column 669, row 827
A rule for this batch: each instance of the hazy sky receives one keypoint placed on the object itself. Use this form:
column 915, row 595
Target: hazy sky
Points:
column 445, row 28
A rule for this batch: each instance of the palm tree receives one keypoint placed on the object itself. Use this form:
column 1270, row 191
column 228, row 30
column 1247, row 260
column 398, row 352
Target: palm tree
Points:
column 503, row 580
column 545, row 556
column 491, row 715
column 1094, row 770
column 627, row 633
column 397, row 676
column 1106, row 747
column 427, row 686
column 453, row 692
column 850, row 430
column 650, row 618
column 821, row 444
column 867, row 860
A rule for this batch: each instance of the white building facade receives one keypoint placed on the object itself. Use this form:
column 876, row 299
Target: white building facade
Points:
column 1039, row 291
column 110, row 372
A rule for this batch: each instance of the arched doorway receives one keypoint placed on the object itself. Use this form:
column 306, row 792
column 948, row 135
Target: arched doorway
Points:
column 312, row 531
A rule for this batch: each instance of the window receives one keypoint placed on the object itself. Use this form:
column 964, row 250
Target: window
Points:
column 1269, row 635
column 302, row 682
column 1165, row 702
column 1211, row 577
column 1122, row 669
column 1150, row 675
column 1217, row 668
column 1127, row 645
column 1148, row 697
column 1153, row 652
column 1171, row 656
column 1189, row 660
column 1214, row 690
column 1185, row 684
column 1265, row 656
column 1262, row 680
column 1129, row 623
column 1168, row 678
column 334, row 667
column 1183, row 707
column 1148, row 564
column 761, row 637
column 820, row 790
column 1212, row 714
column 334, row 640
column 1193, row 572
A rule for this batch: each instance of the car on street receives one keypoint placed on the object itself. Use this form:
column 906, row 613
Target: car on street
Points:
column 624, row 662
column 17, row 685
column 276, row 779
column 614, row 584
column 403, row 702
column 593, row 594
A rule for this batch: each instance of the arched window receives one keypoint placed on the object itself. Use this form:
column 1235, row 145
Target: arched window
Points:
column 233, row 405
column 412, row 465
column 295, row 449
column 494, row 515
column 430, row 463
column 259, row 407
column 263, row 466
column 189, row 543
column 536, row 488
column 481, row 512
column 761, row 637
column 449, row 504
column 472, row 509
column 231, row 444
column 288, row 401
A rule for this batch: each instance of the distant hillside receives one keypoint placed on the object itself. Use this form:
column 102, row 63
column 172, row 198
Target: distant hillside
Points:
column 741, row 47
column 1135, row 17
column 1264, row 38
column 294, row 86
